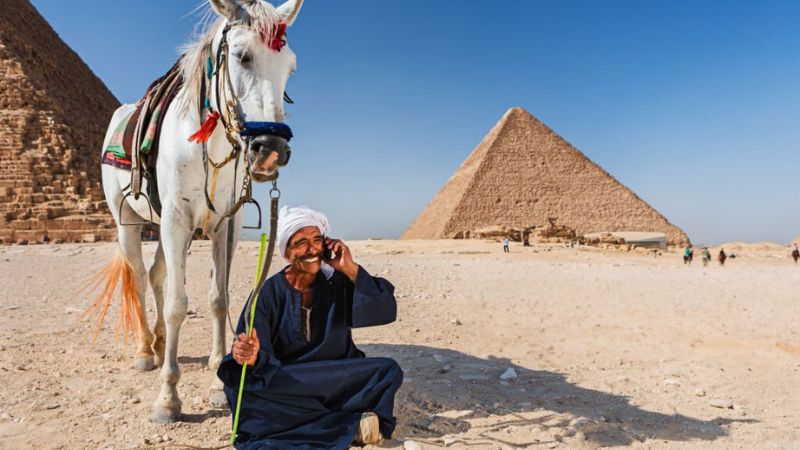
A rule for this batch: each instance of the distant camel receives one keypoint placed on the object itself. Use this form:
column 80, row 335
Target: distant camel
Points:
column 795, row 254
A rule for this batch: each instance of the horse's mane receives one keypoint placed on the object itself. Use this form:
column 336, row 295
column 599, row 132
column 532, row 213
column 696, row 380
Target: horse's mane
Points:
column 262, row 16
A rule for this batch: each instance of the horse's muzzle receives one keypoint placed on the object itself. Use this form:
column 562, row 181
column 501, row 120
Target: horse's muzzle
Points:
column 262, row 146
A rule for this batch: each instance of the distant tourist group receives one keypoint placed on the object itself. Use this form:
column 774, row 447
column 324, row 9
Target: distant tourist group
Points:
column 688, row 255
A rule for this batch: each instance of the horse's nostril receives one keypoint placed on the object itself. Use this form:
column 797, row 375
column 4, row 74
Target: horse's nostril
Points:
column 256, row 147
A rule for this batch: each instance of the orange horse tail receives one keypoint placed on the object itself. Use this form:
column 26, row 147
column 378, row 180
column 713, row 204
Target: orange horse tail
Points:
column 129, row 320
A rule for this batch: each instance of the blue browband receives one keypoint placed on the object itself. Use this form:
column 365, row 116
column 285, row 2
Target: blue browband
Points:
column 261, row 128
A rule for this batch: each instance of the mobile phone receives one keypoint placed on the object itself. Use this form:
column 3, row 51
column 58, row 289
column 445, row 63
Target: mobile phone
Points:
column 327, row 254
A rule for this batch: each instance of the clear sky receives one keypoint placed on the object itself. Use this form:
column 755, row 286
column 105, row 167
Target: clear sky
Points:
column 695, row 105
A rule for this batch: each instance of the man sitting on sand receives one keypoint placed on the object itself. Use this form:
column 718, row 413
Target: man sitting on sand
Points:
column 307, row 385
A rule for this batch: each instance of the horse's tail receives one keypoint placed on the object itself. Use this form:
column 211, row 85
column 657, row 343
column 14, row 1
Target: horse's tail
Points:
column 129, row 320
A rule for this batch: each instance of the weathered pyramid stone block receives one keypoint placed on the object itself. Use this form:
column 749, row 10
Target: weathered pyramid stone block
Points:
column 53, row 114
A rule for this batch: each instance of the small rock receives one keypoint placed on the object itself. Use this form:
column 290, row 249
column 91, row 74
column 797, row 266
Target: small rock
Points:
column 5, row 416
column 455, row 322
column 156, row 439
column 699, row 393
column 440, row 358
column 411, row 445
column 134, row 400
column 197, row 401
column 165, row 438
column 509, row 374
column 671, row 382
column 720, row 403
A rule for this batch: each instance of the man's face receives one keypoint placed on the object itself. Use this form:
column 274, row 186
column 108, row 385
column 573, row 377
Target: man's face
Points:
column 304, row 251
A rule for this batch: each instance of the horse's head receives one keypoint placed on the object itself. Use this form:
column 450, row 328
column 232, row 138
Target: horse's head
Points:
column 252, row 66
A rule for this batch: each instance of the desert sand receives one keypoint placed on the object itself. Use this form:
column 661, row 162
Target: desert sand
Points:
column 608, row 349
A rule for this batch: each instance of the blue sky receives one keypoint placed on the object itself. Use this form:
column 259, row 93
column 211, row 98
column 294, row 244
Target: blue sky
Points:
column 695, row 105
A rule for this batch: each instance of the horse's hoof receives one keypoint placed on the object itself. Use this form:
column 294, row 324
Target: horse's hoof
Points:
column 165, row 415
column 144, row 363
column 217, row 399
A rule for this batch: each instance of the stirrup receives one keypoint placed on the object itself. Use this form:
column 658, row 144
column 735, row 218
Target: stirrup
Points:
column 135, row 197
column 258, row 208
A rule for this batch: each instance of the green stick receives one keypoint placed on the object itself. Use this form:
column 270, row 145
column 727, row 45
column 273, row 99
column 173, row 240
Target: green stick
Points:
column 261, row 251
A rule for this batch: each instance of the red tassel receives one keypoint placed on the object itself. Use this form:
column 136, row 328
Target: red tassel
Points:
column 205, row 131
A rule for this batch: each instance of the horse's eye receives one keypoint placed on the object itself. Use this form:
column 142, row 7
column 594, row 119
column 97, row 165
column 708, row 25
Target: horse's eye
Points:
column 244, row 58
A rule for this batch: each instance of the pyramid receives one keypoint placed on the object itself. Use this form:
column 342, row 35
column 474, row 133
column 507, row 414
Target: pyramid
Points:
column 53, row 116
column 521, row 174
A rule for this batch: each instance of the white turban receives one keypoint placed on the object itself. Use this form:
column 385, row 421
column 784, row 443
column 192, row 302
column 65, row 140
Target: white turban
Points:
column 291, row 219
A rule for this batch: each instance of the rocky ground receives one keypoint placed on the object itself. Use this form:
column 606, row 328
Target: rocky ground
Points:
column 545, row 347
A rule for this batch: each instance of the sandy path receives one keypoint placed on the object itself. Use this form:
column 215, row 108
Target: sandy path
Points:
column 609, row 349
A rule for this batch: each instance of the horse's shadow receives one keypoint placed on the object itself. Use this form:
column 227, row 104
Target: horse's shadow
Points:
column 440, row 380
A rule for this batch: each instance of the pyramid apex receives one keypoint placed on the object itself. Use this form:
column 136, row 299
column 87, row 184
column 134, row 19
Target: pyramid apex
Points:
column 516, row 110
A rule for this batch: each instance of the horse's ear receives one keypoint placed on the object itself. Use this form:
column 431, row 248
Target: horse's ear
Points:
column 228, row 9
column 289, row 11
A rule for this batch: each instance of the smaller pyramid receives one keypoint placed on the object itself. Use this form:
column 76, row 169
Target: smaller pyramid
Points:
column 53, row 117
column 521, row 174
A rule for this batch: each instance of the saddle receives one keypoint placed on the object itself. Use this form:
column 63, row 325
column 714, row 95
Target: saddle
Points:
column 134, row 144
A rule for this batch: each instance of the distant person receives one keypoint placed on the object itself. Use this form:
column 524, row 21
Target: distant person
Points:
column 795, row 254
column 505, row 245
column 688, row 254
column 526, row 240
column 721, row 257
column 706, row 256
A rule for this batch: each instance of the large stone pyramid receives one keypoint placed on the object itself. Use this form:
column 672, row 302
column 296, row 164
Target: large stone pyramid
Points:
column 53, row 115
column 521, row 174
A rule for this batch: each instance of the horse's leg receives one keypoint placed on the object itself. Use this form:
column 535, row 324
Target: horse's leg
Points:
column 175, row 237
column 218, row 298
column 158, row 272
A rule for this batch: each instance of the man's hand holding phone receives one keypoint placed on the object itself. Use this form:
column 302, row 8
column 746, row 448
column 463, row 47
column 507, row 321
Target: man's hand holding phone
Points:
column 338, row 256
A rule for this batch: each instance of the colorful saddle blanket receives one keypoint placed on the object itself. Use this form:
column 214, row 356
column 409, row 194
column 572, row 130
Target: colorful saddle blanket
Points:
column 145, row 123
column 149, row 115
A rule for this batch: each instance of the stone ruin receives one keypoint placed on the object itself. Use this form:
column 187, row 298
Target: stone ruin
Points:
column 53, row 117
column 523, row 173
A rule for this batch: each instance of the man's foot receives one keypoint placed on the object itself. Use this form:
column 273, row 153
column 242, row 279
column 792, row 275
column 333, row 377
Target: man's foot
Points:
column 368, row 430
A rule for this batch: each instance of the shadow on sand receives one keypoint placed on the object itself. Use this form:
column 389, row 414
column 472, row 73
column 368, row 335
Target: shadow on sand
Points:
column 537, row 403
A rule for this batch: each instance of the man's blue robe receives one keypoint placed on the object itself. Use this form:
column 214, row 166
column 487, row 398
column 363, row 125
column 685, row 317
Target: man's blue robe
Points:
column 303, row 394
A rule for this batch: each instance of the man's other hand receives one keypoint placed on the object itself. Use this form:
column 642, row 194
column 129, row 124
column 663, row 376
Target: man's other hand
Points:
column 245, row 349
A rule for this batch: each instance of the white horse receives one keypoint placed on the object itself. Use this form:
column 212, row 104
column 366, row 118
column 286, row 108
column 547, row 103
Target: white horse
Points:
column 257, row 74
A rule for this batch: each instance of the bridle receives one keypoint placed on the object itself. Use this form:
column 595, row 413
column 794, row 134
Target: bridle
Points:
column 237, row 131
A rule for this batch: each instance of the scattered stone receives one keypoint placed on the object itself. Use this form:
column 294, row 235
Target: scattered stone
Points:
column 411, row 445
column 455, row 322
column 721, row 403
column 509, row 374
column 671, row 382
column 134, row 400
column 5, row 416
column 699, row 393
column 441, row 359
